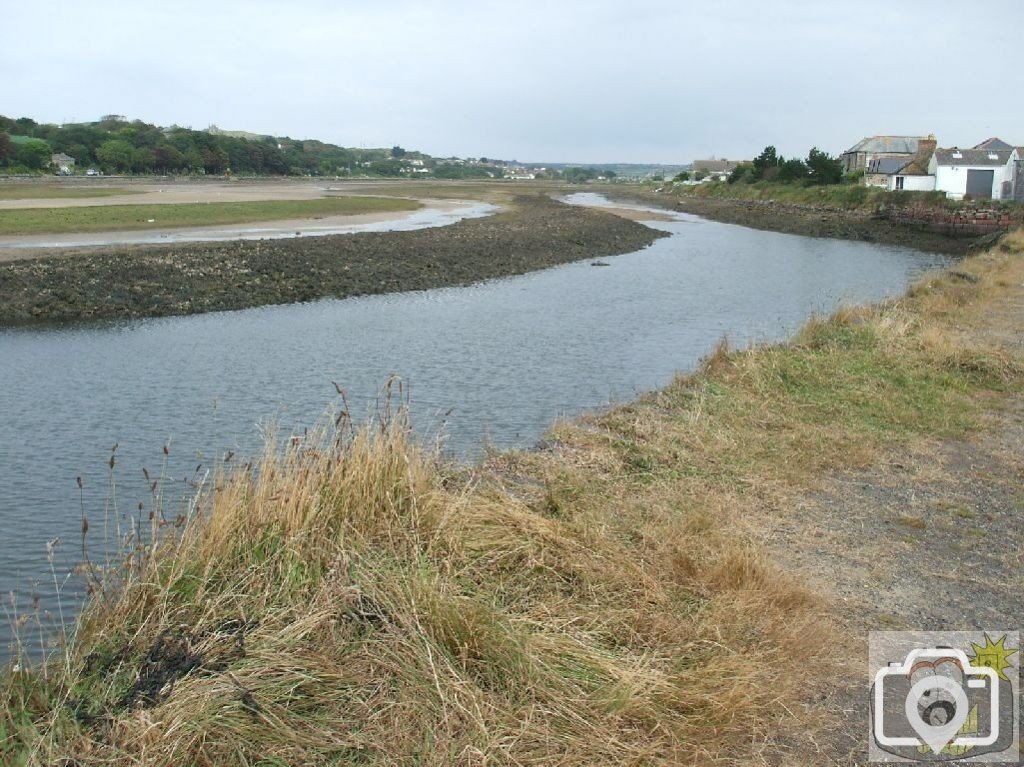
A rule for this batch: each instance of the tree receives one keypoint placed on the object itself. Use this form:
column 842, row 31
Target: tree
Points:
column 792, row 170
column 167, row 158
column 386, row 167
column 215, row 161
column 742, row 173
column 143, row 160
column 193, row 160
column 765, row 162
column 25, row 126
column 115, row 154
column 6, row 148
column 397, row 152
column 80, row 152
column 34, row 154
column 682, row 176
column 823, row 168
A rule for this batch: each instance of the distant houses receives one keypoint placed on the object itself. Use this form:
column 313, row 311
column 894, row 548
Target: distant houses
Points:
column 992, row 170
column 62, row 164
column 714, row 168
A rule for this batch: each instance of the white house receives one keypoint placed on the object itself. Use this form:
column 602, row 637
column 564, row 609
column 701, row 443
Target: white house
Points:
column 898, row 175
column 984, row 174
column 905, row 181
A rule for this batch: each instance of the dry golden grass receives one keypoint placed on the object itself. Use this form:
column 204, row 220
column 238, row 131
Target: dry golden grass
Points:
column 355, row 601
column 352, row 600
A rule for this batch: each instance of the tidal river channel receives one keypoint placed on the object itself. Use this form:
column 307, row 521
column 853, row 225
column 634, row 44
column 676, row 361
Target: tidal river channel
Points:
column 502, row 359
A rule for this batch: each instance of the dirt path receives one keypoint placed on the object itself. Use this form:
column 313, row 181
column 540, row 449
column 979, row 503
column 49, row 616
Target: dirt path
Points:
column 929, row 538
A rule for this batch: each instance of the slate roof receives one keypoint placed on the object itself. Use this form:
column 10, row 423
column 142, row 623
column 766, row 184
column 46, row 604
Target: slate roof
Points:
column 994, row 143
column 888, row 166
column 887, row 145
column 991, row 158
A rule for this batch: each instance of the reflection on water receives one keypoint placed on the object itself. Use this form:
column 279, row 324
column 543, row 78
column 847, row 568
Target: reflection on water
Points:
column 506, row 357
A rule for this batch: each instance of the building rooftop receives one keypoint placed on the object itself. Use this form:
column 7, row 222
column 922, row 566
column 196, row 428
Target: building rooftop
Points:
column 887, row 165
column 887, row 145
column 994, row 143
column 979, row 157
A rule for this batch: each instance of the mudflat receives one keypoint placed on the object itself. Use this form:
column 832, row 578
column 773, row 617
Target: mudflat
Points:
column 177, row 192
column 533, row 232
column 71, row 244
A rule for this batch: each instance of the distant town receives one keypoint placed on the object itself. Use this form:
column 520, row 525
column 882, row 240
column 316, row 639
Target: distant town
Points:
column 992, row 169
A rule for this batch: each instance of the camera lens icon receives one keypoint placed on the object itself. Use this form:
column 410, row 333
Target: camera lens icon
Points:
column 939, row 689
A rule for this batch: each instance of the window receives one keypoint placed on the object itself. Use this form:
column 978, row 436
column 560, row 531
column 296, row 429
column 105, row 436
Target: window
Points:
column 899, row 183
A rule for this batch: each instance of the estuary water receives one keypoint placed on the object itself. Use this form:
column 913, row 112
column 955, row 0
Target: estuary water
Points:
column 494, row 363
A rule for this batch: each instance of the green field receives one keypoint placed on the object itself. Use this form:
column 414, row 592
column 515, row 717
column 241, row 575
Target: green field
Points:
column 109, row 218
column 53, row 192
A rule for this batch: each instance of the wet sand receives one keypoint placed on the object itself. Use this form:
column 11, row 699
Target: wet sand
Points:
column 175, row 192
column 434, row 213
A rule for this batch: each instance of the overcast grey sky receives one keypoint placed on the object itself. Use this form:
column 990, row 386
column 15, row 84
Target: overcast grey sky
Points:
column 535, row 80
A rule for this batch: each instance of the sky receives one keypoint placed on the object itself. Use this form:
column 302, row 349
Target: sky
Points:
column 647, row 81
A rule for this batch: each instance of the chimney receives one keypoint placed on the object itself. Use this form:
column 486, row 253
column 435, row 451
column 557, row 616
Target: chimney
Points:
column 925, row 149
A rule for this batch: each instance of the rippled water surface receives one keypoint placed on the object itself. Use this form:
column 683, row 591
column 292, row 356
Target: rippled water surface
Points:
column 505, row 357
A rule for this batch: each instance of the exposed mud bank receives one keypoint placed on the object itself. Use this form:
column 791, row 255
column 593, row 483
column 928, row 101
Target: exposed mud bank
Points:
column 149, row 281
column 811, row 221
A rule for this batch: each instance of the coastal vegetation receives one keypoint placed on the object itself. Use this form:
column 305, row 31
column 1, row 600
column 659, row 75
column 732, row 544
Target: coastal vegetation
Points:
column 819, row 169
column 605, row 599
column 850, row 196
column 108, row 218
column 114, row 144
column 118, row 145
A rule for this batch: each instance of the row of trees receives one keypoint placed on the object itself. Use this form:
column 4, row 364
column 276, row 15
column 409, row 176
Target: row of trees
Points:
column 117, row 145
column 819, row 168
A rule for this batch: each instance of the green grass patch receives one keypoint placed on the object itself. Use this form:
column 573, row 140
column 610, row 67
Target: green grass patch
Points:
column 60, row 192
column 109, row 218
column 850, row 196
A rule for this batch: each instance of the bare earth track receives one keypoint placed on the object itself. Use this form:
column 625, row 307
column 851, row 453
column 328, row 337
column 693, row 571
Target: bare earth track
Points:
column 927, row 538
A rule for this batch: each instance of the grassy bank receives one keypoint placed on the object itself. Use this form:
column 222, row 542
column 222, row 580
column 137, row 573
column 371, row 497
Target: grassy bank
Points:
column 54, row 192
column 846, row 196
column 603, row 600
column 110, row 218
